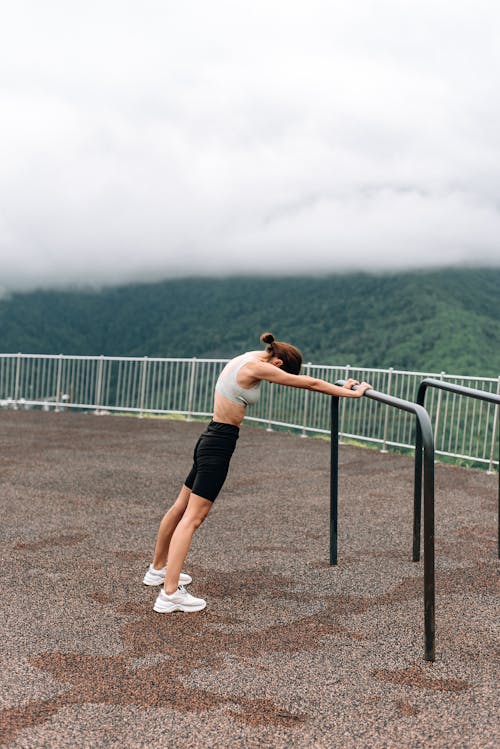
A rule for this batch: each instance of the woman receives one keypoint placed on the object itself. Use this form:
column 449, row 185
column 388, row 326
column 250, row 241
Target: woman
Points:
column 237, row 387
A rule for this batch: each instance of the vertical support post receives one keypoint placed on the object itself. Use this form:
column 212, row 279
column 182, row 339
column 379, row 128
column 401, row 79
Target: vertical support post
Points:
column 417, row 483
column 491, row 469
column 342, row 417
column 334, row 479
column 191, row 388
column 30, row 391
column 306, row 403
column 270, row 408
column 18, row 376
column 58, row 383
column 98, row 387
column 438, row 409
column 417, row 492
column 386, row 419
column 144, row 374
column 429, row 574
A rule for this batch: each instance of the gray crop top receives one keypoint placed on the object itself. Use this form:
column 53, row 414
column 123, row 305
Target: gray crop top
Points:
column 227, row 384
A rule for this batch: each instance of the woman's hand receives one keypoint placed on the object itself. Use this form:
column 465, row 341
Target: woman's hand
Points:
column 362, row 388
column 350, row 382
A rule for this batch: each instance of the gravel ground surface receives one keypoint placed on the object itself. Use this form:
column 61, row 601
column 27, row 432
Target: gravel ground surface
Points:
column 289, row 651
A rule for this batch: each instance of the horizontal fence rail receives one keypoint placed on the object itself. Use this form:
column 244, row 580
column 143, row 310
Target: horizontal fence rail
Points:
column 146, row 385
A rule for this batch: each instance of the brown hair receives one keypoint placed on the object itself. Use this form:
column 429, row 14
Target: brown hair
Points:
column 289, row 355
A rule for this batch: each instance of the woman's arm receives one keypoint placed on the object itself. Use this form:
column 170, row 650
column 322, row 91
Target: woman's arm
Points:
column 265, row 371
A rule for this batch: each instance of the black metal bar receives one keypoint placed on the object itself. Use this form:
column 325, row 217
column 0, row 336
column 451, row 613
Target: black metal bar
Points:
column 334, row 480
column 417, row 500
column 429, row 582
column 417, row 494
column 424, row 429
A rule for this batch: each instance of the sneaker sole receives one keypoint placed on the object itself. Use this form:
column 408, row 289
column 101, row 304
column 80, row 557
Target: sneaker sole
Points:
column 169, row 608
column 151, row 580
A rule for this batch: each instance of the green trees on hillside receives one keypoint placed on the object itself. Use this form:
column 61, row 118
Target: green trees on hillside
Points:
column 428, row 321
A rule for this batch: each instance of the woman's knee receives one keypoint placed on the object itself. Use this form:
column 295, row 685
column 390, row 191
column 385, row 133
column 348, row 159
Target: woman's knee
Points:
column 192, row 522
column 195, row 515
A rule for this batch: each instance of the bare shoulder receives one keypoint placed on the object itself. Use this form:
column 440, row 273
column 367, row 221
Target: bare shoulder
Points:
column 259, row 366
column 262, row 370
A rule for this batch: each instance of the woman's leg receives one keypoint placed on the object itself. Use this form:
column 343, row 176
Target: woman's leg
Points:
column 180, row 541
column 167, row 527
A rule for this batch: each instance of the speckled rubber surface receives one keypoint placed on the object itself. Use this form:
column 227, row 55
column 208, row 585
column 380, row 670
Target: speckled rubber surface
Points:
column 289, row 652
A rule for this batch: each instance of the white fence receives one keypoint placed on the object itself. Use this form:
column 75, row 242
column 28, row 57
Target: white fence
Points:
column 463, row 428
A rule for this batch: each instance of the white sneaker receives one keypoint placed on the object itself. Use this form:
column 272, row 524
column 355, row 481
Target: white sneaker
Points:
column 181, row 600
column 157, row 577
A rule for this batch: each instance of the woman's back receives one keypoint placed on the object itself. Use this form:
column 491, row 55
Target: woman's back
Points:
column 228, row 385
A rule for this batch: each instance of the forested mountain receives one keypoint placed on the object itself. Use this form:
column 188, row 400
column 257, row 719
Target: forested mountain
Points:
column 429, row 321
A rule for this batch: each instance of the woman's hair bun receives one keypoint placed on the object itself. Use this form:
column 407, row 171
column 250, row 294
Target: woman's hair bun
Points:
column 267, row 338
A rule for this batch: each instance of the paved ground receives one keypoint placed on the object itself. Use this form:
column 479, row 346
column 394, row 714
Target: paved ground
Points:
column 289, row 651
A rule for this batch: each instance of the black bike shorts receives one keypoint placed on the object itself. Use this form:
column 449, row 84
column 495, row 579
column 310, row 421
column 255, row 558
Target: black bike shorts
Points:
column 211, row 458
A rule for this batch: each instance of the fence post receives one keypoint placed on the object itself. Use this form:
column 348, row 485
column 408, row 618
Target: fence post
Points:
column 191, row 388
column 306, row 403
column 18, row 375
column 491, row 469
column 438, row 409
column 270, row 408
column 342, row 414
column 58, row 383
column 386, row 420
column 98, row 387
column 493, row 440
column 144, row 374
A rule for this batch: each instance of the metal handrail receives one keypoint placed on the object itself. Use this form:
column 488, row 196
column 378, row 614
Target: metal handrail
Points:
column 417, row 502
column 425, row 429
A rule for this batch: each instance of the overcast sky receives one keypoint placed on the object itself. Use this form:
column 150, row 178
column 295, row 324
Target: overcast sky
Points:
column 148, row 139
